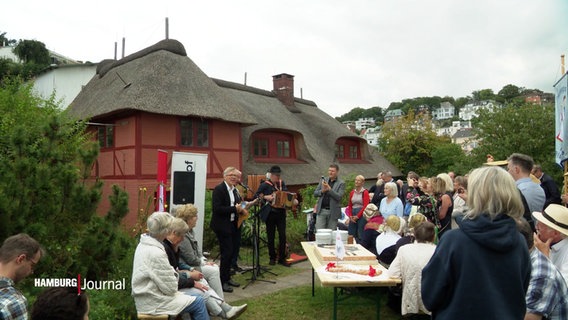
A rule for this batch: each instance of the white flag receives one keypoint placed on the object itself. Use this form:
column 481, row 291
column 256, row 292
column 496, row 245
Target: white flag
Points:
column 339, row 248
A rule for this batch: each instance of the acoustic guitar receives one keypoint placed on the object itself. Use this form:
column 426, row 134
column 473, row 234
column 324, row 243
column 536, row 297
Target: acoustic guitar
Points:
column 243, row 215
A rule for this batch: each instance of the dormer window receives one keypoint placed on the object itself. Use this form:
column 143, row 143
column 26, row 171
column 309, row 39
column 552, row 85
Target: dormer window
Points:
column 271, row 145
column 348, row 150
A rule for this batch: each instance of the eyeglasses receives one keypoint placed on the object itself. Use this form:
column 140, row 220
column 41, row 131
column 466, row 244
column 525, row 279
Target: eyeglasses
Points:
column 33, row 263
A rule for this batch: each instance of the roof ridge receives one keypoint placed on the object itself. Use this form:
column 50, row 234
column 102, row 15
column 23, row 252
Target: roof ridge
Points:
column 170, row 45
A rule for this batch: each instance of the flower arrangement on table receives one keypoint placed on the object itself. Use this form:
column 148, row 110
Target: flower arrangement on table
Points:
column 372, row 272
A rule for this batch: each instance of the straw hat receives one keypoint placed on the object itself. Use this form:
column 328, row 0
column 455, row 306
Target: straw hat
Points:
column 554, row 216
column 370, row 211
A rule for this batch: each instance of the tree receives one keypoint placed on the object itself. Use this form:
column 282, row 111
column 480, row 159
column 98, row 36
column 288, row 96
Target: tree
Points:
column 527, row 129
column 32, row 51
column 45, row 160
column 449, row 157
column 357, row 113
column 484, row 94
column 9, row 68
column 509, row 92
column 408, row 142
column 4, row 41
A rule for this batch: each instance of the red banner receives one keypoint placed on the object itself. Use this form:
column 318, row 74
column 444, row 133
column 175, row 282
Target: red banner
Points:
column 162, row 179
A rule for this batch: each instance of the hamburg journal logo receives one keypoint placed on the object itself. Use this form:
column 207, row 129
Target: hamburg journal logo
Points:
column 81, row 284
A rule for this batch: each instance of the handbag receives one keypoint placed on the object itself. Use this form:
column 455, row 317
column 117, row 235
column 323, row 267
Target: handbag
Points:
column 264, row 212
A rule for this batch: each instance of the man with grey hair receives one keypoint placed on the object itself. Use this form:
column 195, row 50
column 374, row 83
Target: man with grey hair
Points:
column 18, row 256
column 226, row 211
column 380, row 190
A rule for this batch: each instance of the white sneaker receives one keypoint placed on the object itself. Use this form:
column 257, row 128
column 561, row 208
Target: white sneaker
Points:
column 235, row 312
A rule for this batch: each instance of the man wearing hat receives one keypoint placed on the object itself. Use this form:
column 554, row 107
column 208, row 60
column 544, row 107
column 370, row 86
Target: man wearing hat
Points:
column 277, row 216
column 552, row 236
column 547, row 294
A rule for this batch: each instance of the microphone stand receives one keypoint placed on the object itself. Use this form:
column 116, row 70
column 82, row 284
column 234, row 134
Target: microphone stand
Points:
column 257, row 269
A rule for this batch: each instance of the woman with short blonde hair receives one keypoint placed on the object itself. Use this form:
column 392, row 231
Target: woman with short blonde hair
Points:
column 391, row 203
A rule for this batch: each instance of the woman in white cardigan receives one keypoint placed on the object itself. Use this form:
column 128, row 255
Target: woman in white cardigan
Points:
column 408, row 265
column 154, row 280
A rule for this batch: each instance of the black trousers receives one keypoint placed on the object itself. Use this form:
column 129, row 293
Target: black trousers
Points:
column 276, row 221
column 237, row 248
column 227, row 250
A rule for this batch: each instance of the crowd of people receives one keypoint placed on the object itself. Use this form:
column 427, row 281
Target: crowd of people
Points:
column 491, row 244
column 487, row 245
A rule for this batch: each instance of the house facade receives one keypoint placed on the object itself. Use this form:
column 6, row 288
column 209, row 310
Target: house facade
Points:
column 394, row 114
column 64, row 81
column 470, row 110
column 465, row 139
column 364, row 123
column 445, row 111
column 158, row 99
column 372, row 135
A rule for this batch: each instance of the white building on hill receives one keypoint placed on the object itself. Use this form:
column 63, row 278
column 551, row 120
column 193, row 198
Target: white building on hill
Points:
column 364, row 123
column 372, row 135
column 470, row 110
column 445, row 111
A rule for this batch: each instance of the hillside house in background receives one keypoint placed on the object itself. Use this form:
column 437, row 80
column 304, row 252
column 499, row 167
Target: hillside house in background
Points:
column 393, row 115
column 470, row 110
column 445, row 111
column 372, row 135
column 455, row 127
column 167, row 102
column 466, row 139
column 364, row 123
column 56, row 59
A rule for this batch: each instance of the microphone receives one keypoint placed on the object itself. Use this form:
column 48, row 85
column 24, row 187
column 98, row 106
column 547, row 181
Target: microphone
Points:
column 243, row 185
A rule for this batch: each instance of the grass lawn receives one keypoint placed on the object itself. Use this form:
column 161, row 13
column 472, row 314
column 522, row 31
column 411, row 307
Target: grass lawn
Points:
column 298, row 303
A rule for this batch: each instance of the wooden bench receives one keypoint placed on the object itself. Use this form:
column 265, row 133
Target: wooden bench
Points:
column 143, row 316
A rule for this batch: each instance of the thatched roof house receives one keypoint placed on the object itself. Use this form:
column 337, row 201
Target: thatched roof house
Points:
column 315, row 132
column 158, row 98
column 160, row 79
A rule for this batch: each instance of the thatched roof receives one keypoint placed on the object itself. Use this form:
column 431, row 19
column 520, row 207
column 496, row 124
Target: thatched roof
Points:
column 162, row 79
column 315, row 134
column 159, row 79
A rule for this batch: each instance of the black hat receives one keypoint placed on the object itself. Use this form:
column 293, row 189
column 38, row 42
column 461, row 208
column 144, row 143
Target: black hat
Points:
column 275, row 170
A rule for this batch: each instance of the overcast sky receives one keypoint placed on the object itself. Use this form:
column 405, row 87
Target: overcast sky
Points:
column 343, row 54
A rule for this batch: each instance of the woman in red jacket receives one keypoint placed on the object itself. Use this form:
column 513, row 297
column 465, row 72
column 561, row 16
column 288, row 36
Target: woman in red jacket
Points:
column 358, row 201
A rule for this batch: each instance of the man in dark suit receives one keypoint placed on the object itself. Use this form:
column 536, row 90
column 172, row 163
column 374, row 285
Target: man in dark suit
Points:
column 224, row 223
column 547, row 183
column 380, row 190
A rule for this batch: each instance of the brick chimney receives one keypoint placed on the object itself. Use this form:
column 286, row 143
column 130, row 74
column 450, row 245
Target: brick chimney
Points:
column 284, row 88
